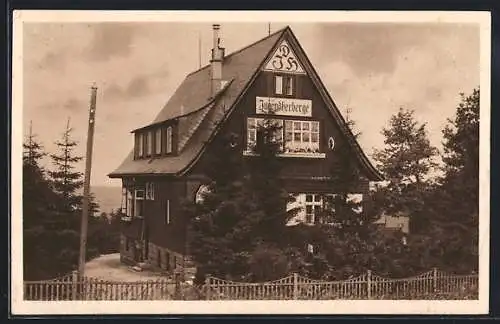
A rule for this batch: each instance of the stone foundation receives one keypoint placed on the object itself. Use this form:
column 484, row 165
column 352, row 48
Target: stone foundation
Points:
column 159, row 258
column 164, row 259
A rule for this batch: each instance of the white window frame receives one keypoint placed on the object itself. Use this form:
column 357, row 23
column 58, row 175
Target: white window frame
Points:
column 167, row 212
column 316, row 204
column 278, row 84
column 288, row 85
column 252, row 132
column 168, row 148
column 149, row 143
column 140, row 143
column 130, row 203
column 158, row 141
column 124, row 201
column 304, row 130
column 150, row 191
column 283, row 85
column 136, row 199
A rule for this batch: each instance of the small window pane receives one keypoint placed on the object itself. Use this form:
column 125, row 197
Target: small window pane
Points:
column 305, row 126
column 315, row 126
column 296, row 126
column 309, row 198
column 169, row 139
column 140, row 143
column 305, row 137
column 289, row 136
column 158, row 141
column 278, row 81
column 314, row 138
column 149, row 143
column 296, row 137
column 289, row 86
column 139, row 208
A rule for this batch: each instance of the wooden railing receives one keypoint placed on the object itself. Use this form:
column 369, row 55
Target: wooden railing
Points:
column 432, row 284
column 73, row 288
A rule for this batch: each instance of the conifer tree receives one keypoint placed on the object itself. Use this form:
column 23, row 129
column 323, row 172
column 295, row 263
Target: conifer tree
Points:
column 456, row 220
column 406, row 161
column 67, row 182
column 243, row 214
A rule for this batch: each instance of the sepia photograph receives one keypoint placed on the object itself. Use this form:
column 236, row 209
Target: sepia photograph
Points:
column 250, row 162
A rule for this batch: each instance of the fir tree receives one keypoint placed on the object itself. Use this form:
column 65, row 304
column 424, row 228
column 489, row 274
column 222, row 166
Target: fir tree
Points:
column 67, row 182
column 456, row 203
column 44, row 226
column 244, row 212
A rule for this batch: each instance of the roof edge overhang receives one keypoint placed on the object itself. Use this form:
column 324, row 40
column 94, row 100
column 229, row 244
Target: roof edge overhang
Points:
column 235, row 104
column 207, row 104
column 125, row 175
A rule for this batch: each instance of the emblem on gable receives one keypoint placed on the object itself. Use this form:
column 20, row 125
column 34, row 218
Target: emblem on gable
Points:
column 284, row 60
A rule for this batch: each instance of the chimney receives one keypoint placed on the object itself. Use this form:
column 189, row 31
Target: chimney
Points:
column 216, row 62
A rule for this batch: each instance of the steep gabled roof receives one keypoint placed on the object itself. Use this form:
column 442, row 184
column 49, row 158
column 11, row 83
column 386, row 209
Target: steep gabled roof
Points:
column 199, row 117
column 196, row 113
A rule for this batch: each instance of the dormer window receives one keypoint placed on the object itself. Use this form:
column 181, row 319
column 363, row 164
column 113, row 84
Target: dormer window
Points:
column 140, row 145
column 149, row 143
column 168, row 148
column 283, row 85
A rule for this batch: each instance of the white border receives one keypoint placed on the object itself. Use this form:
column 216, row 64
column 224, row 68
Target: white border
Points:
column 480, row 306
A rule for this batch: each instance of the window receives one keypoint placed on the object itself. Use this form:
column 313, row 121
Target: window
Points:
column 312, row 208
column 253, row 126
column 124, row 201
column 288, row 86
column 150, row 191
column 158, row 141
column 314, row 205
column 283, row 85
column 139, row 203
column 278, row 83
column 167, row 212
column 130, row 203
column 301, row 136
column 169, row 140
column 140, row 145
column 149, row 143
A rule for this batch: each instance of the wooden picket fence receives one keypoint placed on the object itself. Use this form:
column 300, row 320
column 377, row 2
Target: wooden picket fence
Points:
column 432, row 284
column 71, row 287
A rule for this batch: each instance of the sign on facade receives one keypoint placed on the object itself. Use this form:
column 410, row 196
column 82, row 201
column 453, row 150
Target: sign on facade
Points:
column 283, row 106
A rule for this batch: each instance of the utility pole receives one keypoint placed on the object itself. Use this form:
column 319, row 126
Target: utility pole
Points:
column 199, row 50
column 268, row 29
column 86, row 183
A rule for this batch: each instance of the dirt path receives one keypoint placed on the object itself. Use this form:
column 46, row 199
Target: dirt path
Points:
column 109, row 267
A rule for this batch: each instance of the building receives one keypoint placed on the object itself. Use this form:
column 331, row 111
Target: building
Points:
column 231, row 95
column 398, row 222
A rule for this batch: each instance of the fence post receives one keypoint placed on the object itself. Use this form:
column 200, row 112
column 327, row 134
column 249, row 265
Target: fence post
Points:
column 295, row 286
column 74, row 284
column 207, row 287
column 177, row 291
column 434, row 279
column 369, row 284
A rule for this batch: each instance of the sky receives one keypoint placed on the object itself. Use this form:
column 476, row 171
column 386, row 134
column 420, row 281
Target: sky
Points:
column 372, row 68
